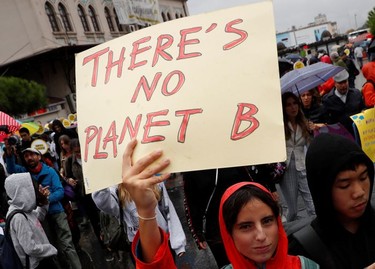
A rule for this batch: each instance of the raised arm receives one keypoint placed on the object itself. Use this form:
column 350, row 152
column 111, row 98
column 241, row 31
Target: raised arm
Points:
column 138, row 179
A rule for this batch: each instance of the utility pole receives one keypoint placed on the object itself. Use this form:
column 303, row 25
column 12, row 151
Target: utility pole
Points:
column 355, row 21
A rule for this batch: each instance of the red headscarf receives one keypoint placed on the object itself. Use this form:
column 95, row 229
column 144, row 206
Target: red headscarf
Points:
column 281, row 260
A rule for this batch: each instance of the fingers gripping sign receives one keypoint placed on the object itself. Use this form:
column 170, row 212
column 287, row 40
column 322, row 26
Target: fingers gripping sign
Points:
column 141, row 176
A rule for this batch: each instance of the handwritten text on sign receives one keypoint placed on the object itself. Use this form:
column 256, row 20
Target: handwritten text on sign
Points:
column 205, row 89
column 245, row 112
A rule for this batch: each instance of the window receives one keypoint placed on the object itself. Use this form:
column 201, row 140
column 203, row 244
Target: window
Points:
column 52, row 17
column 119, row 26
column 94, row 21
column 132, row 28
column 169, row 16
column 164, row 18
column 64, row 18
column 109, row 19
column 82, row 16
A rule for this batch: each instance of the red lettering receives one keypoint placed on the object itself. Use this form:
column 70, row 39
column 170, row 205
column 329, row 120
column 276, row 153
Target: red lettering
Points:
column 133, row 129
column 229, row 29
column 184, row 42
column 185, row 121
column 94, row 57
column 211, row 28
column 247, row 116
column 89, row 137
column 150, row 123
column 181, row 81
column 149, row 91
column 160, row 49
column 136, row 51
column 111, row 64
column 99, row 155
column 111, row 137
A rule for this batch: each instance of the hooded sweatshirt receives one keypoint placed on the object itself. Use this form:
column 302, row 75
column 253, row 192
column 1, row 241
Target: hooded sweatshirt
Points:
column 325, row 158
column 27, row 235
column 46, row 177
column 281, row 259
column 368, row 89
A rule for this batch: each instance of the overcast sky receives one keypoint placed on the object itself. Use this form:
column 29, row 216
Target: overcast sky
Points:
column 347, row 13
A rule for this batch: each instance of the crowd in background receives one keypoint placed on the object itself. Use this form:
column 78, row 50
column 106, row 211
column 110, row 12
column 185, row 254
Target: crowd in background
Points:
column 57, row 203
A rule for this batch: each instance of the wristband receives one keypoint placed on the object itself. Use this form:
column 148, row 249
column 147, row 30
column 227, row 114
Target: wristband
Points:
column 142, row 218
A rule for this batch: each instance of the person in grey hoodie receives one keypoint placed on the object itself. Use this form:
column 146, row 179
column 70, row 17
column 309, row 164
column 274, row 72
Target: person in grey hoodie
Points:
column 27, row 235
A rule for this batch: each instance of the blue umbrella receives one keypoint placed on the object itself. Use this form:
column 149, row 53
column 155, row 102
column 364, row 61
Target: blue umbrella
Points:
column 301, row 80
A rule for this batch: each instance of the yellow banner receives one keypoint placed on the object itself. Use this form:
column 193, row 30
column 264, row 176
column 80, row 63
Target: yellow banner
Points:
column 365, row 123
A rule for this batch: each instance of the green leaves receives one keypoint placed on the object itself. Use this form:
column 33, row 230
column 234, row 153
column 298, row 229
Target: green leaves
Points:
column 19, row 96
column 371, row 21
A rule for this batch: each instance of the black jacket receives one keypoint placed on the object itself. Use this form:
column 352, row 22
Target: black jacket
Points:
column 315, row 113
column 337, row 111
column 325, row 158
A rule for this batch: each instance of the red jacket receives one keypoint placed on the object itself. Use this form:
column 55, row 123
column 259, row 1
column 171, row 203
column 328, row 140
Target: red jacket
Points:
column 368, row 90
column 163, row 257
column 326, row 87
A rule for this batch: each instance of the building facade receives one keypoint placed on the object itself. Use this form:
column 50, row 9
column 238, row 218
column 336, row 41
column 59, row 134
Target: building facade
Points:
column 41, row 37
column 314, row 32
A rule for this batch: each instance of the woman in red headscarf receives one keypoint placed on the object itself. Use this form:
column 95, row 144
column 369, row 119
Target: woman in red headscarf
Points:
column 252, row 232
column 250, row 222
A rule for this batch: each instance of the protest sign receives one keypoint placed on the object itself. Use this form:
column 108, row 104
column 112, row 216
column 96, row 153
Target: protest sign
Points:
column 365, row 123
column 205, row 89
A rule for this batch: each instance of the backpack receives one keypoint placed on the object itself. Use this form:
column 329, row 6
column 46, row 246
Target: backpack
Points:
column 8, row 255
column 114, row 231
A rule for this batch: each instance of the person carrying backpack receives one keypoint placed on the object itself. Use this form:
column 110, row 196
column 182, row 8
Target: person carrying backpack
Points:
column 107, row 200
column 26, row 231
column 341, row 178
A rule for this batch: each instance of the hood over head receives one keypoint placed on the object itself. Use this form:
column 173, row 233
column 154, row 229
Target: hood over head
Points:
column 280, row 260
column 325, row 158
column 368, row 71
column 21, row 191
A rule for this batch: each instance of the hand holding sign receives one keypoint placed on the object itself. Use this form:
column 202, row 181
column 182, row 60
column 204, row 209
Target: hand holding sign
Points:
column 140, row 177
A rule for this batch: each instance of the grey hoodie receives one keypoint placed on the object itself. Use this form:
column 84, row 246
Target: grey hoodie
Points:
column 27, row 235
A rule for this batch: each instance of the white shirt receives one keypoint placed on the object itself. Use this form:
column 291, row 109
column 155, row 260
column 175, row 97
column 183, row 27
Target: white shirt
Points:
column 341, row 96
column 358, row 52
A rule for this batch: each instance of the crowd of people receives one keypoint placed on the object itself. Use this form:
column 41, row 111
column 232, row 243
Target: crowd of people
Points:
column 235, row 212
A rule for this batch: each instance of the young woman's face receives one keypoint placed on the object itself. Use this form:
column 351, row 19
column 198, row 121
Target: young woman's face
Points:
column 291, row 107
column 350, row 193
column 255, row 233
column 64, row 145
column 306, row 98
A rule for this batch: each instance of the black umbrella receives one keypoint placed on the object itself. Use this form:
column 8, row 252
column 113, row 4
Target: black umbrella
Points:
column 294, row 57
column 285, row 66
